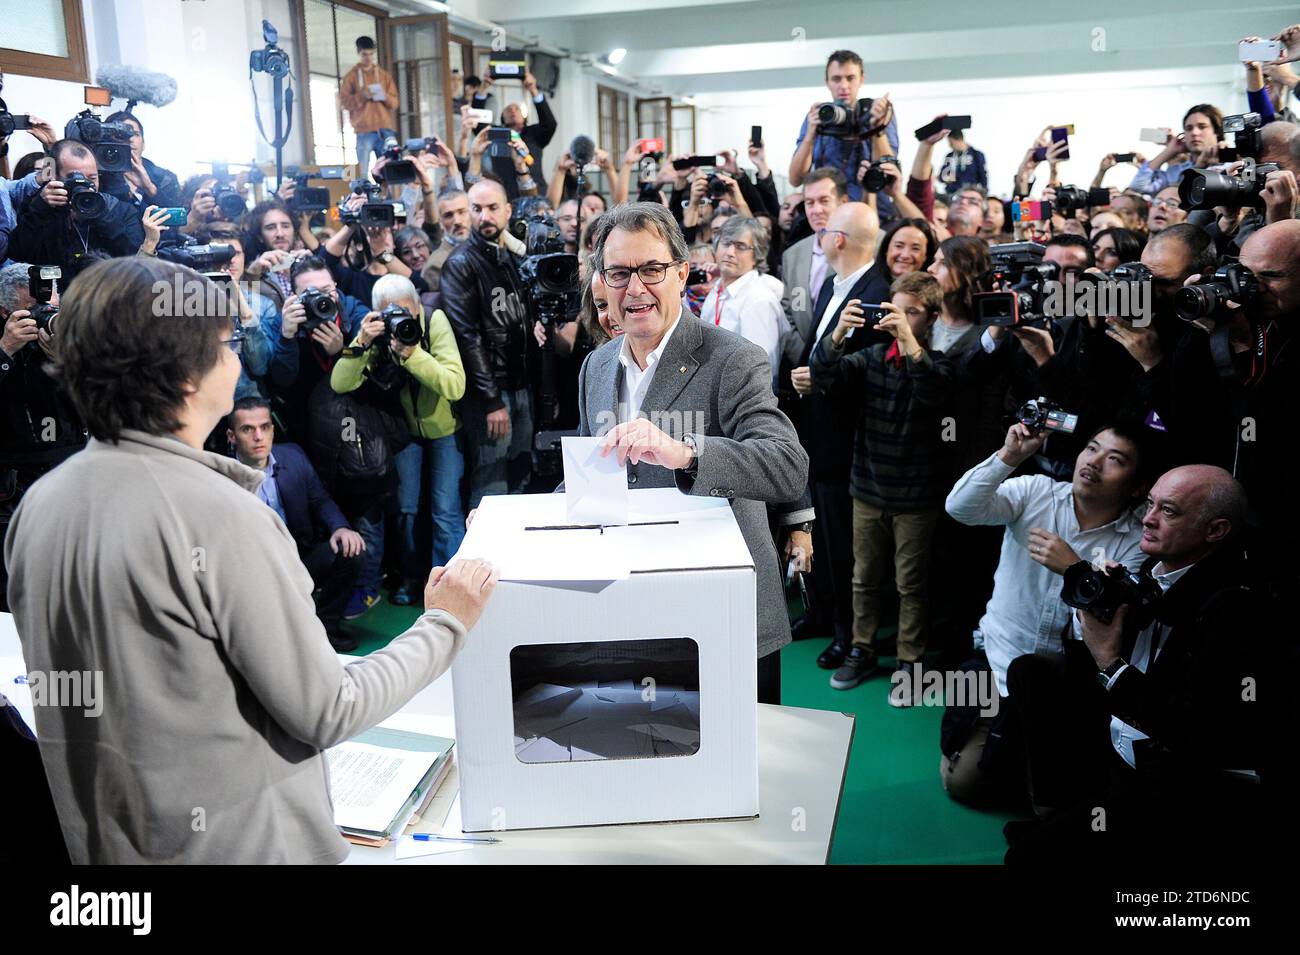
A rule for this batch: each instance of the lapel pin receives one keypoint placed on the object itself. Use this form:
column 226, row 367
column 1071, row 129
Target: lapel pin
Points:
column 682, row 369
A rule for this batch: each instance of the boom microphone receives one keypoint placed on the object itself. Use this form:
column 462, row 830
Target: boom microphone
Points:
column 136, row 85
column 583, row 150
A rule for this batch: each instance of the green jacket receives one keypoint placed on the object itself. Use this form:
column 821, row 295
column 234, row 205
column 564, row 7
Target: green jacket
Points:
column 438, row 370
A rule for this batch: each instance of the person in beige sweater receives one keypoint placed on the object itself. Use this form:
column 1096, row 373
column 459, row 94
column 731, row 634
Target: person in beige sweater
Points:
column 149, row 562
column 369, row 95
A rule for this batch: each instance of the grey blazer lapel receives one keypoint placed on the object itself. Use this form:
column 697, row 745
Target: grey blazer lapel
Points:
column 676, row 366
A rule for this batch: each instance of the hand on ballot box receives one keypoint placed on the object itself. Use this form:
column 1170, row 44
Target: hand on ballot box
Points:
column 461, row 589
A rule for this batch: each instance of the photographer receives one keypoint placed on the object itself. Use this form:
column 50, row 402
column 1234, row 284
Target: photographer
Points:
column 300, row 359
column 377, row 249
column 268, row 250
column 1234, row 410
column 1163, row 710
column 536, row 136
column 254, row 312
column 13, row 194
column 816, row 150
column 415, row 251
column 39, row 427
column 1166, row 210
column 369, row 95
column 69, row 216
column 966, row 211
column 963, row 166
column 328, row 547
column 144, row 183
column 428, row 375
column 481, row 296
column 1196, row 147
column 1050, row 525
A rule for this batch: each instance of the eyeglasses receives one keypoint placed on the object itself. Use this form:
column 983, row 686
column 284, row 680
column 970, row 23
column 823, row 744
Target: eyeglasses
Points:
column 968, row 200
column 741, row 247
column 236, row 341
column 651, row 273
column 822, row 232
column 1166, row 204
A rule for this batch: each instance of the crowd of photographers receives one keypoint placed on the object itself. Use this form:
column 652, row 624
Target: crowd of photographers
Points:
column 1048, row 424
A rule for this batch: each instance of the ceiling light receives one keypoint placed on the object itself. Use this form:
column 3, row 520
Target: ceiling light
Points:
column 615, row 57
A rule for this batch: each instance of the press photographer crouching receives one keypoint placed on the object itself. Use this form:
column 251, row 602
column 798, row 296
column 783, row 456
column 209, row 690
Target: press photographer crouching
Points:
column 70, row 217
column 1165, row 712
column 39, row 427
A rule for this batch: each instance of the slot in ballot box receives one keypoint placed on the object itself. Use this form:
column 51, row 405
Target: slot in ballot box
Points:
column 612, row 676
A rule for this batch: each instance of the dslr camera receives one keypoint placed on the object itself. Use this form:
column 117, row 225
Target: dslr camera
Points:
column 110, row 142
column 270, row 59
column 845, row 121
column 717, row 187
column 876, row 177
column 1043, row 414
column 83, row 198
column 1017, row 281
column 1245, row 131
column 1102, row 592
column 401, row 325
column 1209, row 298
column 1204, row 189
column 321, row 309
column 1072, row 199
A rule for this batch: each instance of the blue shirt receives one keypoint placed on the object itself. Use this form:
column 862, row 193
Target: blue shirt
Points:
column 846, row 156
column 269, row 491
column 1149, row 181
column 13, row 193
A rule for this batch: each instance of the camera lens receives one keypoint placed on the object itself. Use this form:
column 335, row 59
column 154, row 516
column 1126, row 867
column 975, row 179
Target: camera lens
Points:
column 231, row 204
column 1201, row 301
column 832, row 114
column 88, row 204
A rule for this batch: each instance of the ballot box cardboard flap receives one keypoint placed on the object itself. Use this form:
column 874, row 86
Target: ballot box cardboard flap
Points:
column 612, row 676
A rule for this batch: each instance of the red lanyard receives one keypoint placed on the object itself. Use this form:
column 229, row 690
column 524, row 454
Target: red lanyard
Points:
column 717, row 308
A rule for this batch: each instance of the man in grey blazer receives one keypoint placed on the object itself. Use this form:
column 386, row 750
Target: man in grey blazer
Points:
column 803, row 266
column 685, row 404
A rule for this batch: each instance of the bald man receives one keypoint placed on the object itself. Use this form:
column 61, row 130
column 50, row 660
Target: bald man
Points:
column 1163, row 716
column 826, row 423
column 480, row 294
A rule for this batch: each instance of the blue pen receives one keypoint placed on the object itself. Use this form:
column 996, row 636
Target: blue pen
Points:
column 431, row 837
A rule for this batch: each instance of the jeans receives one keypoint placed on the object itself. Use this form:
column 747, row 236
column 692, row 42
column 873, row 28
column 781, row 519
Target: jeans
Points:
column 371, row 528
column 371, row 144
column 438, row 464
column 502, row 466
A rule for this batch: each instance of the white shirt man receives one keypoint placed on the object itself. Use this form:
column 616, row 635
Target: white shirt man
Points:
column 748, row 307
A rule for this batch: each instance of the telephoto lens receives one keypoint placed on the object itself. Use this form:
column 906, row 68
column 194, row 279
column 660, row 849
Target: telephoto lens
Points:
column 1102, row 592
column 1209, row 298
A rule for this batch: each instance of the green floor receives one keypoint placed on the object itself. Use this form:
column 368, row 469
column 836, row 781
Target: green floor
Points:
column 893, row 809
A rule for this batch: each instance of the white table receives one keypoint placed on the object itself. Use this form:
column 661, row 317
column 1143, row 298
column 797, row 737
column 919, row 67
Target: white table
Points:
column 802, row 758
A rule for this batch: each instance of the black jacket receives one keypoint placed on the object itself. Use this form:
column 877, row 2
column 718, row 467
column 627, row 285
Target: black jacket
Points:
column 310, row 513
column 167, row 188
column 536, row 137
column 481, row 296
column 30, row 400
column 48, row 236
column 1207, row 700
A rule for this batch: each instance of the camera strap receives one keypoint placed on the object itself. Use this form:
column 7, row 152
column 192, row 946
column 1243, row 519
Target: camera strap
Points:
column 1221, row 352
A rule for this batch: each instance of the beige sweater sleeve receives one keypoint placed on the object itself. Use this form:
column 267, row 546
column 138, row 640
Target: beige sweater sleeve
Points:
column 277, row 644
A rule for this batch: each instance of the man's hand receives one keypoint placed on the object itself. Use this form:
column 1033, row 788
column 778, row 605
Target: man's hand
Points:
column 400, row 351
column 1280, row 196
column 699, row 191
column 734, row 195
column 813, row 121
column 138, row 176
column 639, row 440
column 480, row 144
column 328, row 337
column 799, row 551
column 285, row 189
column 498, row 424
column 271, row 260
column 894, row 184
column 1102, row 639
column 292, row 315
column 530, row 83
column 539, row 333
column 42, row 131
column 896, row 323
column 19, row 330
column 1142, row 343
column 934, row 138
column 201, row 208
column 851, row 317
column 881, row 110
column 1037, row 343
column 347, row 542
column 758, row 156
column 1050, row 550
column 801, row 379
column 154, row 222
column 1021, row 445
column 54, row 193
column 461, row 589
column 729, row 164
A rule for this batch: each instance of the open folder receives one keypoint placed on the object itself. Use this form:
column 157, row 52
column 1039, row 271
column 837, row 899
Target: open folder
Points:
column 380, row 778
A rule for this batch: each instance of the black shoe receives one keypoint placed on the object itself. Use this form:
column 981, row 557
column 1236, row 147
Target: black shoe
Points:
column 904, row 691
column 857, row 666
column 806, row 628
column 342, row 644
column 833, row 656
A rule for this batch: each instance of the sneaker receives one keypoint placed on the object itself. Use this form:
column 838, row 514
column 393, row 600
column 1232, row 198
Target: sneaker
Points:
column 833, row 656
column 361, row 600
column 342, row 644
column 404, row 596
column 904, row 691
column 857, row 666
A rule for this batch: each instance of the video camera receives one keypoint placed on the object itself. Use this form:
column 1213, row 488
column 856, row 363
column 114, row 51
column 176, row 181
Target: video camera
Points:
column 208, row 258
column 1204, row 189
column 1017, row 286
column 845, row 121
column 110, row 142
column 1209, row 297
column 397, row 171
column 1043, row 414
column 1245, row 129
column 309, row 199
column 1102, row 592
column 371, row 215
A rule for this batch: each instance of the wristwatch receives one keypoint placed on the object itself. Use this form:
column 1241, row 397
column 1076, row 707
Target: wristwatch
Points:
column 806, row 527
column 385, row 257
column 1104, row 676
column 694, row 465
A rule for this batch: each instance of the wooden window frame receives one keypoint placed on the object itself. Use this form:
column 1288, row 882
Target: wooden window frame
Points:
column 73, row 68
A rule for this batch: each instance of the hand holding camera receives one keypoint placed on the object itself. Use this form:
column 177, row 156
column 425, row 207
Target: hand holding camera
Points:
column 54, row 193
column 20, row 330
column 890, row 318
column 1022, row 443
column 372, row 326
column 291, row 317
column 852, row 316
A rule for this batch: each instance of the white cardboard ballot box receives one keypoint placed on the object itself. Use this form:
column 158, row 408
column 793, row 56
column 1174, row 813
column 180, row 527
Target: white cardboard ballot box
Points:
column 612, row 677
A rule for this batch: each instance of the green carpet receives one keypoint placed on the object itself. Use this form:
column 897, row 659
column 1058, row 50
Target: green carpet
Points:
column 893, row 809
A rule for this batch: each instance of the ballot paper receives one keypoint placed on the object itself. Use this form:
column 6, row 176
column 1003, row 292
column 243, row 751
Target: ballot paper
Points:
column 370, row 784
column 595, row 485
column 377, row 92
column 556, row 724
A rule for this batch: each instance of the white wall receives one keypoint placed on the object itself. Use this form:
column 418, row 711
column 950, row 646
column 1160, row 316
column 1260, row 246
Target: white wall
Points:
column 1108, row 111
